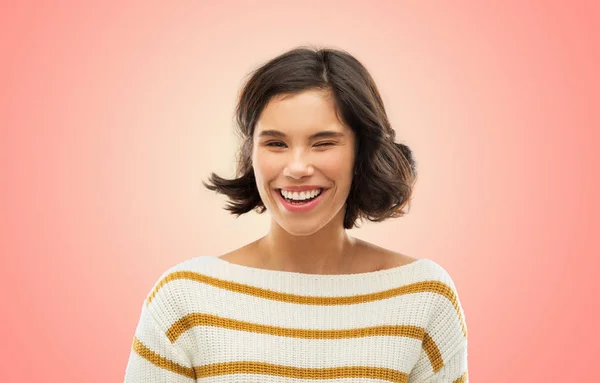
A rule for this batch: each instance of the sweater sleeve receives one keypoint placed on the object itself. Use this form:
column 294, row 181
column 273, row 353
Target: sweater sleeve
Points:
column 443, row 357
column 153, row 358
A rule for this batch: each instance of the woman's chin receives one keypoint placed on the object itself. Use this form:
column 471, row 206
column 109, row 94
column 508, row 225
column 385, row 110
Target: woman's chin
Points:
column 299, row 227
column 301, row 230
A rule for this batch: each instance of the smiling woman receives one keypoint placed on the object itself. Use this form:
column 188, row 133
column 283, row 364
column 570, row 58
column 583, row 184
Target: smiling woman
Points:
column 315, row 153
column 310, row 302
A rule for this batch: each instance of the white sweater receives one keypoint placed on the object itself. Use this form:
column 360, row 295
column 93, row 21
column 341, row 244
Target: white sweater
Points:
column 209, row 320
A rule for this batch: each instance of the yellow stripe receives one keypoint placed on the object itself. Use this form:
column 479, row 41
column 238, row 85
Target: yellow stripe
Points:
column 201, row 319
column 433, row 353
column 359, row 372
column 463, row 378
column 418, row 287
column 161, row 361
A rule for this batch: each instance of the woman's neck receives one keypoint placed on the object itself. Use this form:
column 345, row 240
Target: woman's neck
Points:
column 327, row 251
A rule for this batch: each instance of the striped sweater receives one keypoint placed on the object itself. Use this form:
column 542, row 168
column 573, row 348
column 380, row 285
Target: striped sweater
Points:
column 209, row 320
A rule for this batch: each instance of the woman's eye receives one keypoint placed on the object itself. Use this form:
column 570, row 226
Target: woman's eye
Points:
column 276, row 144
column 279, row 144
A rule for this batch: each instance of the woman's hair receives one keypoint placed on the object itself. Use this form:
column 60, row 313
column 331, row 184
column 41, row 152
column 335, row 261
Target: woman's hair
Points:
column 384, row 171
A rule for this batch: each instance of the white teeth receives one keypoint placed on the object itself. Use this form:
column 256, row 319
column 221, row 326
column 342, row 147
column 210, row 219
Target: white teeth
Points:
column 300, row 196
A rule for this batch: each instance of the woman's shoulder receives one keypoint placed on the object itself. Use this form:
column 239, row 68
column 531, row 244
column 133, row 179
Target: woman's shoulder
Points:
column 379, row 258
column 382, row 258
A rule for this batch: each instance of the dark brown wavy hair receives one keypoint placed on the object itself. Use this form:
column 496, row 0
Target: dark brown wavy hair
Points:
column 384, row 171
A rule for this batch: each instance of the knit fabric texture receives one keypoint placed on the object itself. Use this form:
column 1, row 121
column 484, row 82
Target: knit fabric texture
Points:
column 209, row 320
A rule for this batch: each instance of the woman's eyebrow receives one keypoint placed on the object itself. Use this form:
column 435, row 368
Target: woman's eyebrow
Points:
column 322, row 134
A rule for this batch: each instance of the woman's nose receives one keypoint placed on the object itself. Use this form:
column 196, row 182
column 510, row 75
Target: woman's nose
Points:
column 298, row 166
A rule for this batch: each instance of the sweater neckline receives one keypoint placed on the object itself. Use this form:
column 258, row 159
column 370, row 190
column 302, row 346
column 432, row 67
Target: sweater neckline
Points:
column 268, row 273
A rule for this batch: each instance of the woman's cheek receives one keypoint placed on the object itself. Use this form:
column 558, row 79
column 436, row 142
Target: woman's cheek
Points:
column 336, row 162
column 267, row 164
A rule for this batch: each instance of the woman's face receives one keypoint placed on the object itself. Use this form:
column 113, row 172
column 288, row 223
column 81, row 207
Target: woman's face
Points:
column 299, row 142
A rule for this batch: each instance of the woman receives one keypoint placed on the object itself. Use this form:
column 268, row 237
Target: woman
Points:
column 307, row 301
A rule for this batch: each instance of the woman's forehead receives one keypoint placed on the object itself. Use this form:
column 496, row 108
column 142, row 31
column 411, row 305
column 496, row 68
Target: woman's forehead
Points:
column 306, row 107
column 298, row 121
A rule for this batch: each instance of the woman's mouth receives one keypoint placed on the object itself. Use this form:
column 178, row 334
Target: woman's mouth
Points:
column 299, row 202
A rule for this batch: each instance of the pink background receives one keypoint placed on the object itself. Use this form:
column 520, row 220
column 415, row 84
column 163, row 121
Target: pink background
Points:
column 111, row 115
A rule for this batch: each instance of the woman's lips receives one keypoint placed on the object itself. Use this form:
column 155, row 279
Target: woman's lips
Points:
column 300, row 208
